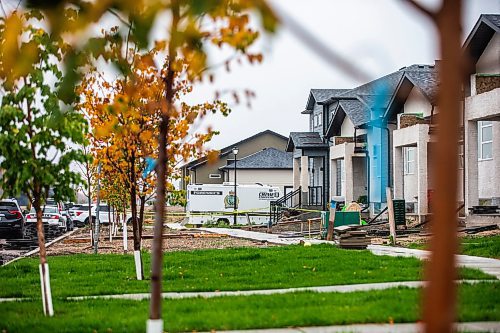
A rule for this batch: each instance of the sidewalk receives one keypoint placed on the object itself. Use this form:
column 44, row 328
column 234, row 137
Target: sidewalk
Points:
column 378, row 328
column 346, row 288
column 487, row 265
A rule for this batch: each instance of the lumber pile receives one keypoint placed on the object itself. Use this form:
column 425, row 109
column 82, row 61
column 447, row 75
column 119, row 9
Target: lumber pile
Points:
column 351, row 237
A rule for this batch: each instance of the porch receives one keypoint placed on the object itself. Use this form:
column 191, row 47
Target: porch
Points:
column 482, row 127
column 411, row 153
column 310, row 170
column 348, row 171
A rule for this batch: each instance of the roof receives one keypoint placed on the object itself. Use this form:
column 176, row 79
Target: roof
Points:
column 317, row 96
column 268, row 158
column 359, row 103
column 482, row 32
column 227, row 150
column 301, row 140
column 425, row 81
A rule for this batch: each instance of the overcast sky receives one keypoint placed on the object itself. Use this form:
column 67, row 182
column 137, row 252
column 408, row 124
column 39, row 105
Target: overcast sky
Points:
column 378, row 36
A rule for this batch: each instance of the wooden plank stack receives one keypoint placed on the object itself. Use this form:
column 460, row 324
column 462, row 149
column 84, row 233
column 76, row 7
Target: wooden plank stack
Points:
column 351, row 237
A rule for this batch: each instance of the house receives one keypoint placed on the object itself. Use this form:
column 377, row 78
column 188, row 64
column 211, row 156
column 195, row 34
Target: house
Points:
column 311, row 153
column 412, row 109
column 346, row 155
column 269, row 166
column 201, row 172
column 482, row 118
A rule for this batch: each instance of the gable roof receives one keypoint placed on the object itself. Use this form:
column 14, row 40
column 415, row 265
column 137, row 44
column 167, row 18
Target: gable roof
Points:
column 317, row 96
column 227, row 150
column 358, row 103
column 301, row 140
column 425, row 81
column 479, row 37
column 268, row 158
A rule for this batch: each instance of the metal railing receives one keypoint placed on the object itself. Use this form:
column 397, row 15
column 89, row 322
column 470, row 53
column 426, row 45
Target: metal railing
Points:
column 290, row 200
column 315, row 196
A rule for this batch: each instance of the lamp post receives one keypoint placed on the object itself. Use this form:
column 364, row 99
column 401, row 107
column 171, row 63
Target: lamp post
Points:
column 235, row 205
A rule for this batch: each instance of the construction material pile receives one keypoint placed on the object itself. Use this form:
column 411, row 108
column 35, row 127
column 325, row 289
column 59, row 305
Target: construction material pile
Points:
column 351, row 237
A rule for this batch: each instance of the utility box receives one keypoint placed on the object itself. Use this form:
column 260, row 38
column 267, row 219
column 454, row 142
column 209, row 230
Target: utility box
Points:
column 399, row 211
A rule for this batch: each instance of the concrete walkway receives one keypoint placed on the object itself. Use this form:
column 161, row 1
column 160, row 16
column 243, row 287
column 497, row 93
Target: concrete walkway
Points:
column 347, row 288
column 487, row 265
column 378, row 328
column 263, row 237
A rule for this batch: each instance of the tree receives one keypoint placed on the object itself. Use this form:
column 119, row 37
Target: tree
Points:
column 36, row 129
column 124, row 117
column 193, row 25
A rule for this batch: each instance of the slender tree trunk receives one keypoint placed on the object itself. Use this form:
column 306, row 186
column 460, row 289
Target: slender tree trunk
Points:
column 440, row 294
column 48, row 309
column 155, row 323
column 142, row 200
column 135, row 223
column 89, row 192
column 125, row 230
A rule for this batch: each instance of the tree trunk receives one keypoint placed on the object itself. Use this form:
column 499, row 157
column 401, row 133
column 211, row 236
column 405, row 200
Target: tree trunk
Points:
column 135, row 223
column 155, row 323
column 142, row 200
column 48, row 309
column 125, row 236
column 89, row 192
column 441, row 272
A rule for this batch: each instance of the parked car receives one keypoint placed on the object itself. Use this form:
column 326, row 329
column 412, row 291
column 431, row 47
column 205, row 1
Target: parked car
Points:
column 11, row 218
column 79, row 214
column 106, row 214
column 52, row 215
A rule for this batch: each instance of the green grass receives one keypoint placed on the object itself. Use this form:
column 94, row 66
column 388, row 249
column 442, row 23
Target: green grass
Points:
column 488, row 246
column 476, row 303
column 210, row 270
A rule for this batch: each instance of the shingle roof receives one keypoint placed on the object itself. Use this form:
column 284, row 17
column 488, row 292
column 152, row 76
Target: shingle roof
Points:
column 301, row 140
column 227, row 150
column 269, row 158
column 427, row 82
column 319, row 95
column 358, row 103
column 493, row 18
column 357, row 111
column 485, row 28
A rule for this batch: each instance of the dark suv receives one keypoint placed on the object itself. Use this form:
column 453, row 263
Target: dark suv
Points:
column 11, row 218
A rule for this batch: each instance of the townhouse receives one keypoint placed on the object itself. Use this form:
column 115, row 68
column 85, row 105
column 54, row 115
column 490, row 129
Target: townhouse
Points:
column 482, row 121
column 381, row 134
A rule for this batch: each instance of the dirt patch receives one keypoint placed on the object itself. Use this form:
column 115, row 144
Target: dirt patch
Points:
column 79, row 242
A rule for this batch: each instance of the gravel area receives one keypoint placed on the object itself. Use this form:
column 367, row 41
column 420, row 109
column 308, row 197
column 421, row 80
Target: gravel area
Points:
column 79, row 242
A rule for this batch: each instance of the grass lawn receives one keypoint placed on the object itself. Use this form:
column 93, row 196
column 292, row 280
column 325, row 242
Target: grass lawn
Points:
column 487, row 246
column 210, row 270
column 476, row 303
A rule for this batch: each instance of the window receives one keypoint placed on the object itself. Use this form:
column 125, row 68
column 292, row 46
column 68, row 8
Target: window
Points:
column 485, row 137
column 409, row 160
column 214, row 176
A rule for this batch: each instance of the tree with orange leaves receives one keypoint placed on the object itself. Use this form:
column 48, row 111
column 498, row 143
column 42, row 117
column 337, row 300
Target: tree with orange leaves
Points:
column 124, row 116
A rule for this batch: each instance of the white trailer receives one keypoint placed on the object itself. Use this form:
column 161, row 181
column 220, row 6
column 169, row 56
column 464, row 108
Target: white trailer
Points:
column 214, row 203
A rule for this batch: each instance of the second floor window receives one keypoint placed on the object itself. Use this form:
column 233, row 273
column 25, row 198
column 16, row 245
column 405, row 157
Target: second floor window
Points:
column 409, row 160
column 485, row 138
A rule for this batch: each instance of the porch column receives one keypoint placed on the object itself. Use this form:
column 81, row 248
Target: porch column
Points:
column 349, row 174
column 296, row 173
column 398, row 172
column 422, row 178
column 333, row 178
column 471, row 168
column 304, row 179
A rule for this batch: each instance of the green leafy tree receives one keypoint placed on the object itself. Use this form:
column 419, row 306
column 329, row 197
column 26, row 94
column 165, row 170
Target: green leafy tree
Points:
column 37, row 131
